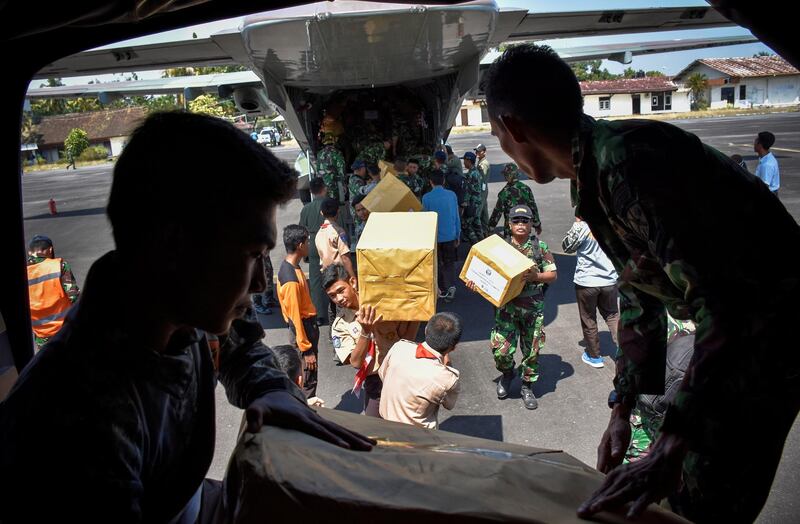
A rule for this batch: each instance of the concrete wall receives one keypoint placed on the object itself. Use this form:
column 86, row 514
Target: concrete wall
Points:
column 622, row 104
column 117, row 144
column 473, row 115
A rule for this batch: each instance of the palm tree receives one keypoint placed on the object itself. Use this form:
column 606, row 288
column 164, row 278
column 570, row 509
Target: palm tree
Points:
column 697, row 84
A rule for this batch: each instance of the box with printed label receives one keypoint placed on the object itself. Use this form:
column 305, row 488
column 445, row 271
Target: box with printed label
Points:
column 397, row 265
column 497, row 268
column 391, row 195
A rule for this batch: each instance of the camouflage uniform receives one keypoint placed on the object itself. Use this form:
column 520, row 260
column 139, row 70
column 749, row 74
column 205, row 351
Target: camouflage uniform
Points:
column 372, row 153
column 680, row 235
column 471, row 221
column 515, row 192
column 646, row 423
column 414, row 182
column 485, row 168
column 267, row 298
column 330, row 166
column 68, row 283
column 523, row 318
column 356, row 186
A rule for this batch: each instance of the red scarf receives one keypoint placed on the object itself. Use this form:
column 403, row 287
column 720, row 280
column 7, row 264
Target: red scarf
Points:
column 422, row 352
column 361, row 375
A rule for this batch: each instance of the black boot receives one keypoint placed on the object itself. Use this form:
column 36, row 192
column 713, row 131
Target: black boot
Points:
column 504, row 384
column 527, row 396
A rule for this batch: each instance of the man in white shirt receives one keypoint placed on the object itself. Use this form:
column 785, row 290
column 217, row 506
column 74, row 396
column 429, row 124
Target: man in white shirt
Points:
column 767, row 169
column 416, row 380
column 595, row 288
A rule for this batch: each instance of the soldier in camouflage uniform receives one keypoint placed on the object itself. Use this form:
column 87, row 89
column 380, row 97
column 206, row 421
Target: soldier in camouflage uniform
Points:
column 682, row 237
column 408, row 174
column 471, row 221
column 41, row 249
column 374, row 152
column 357, row 186
column 264, row 302
column 485, row 168
column 513, row 193
column 330, row 166
column 520, row 323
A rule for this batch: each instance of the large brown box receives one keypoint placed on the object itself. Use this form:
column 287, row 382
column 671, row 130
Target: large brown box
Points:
column 497, row 269
column 397, row 265
column 414, row 475
column 391, row 195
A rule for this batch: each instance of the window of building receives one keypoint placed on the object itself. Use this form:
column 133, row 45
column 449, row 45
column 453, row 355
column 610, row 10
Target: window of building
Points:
column 742, row 92
column 667, row 101
column 726, row 94
column 605, row 103
column 656, row 101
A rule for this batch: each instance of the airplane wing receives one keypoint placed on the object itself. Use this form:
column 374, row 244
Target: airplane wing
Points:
column 573, row 24
column 191, row 86
column 228, row 48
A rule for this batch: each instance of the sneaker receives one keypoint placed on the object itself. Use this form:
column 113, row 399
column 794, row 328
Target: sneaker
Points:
column 262, row 309
column 592, row 361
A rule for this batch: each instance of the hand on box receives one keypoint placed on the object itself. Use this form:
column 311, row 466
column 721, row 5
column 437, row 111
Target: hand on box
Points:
column 280, row 408
column 471, row 286
column 532, row 274
column 368, row 317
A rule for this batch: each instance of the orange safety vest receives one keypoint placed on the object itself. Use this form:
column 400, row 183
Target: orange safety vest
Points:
column 49, row 302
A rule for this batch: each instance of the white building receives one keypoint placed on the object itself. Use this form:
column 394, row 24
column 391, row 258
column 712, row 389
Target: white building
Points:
column 747, row 82
column 633, row 96
column 473, row 113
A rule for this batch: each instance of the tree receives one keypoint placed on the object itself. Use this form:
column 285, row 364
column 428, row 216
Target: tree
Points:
column 697, row 84
column 206, row 104
column 590, row 70
column 76, row 143
column 653, row 73
column 763, row 53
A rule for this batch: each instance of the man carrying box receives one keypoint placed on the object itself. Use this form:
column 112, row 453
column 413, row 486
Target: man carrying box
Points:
column 523, row 317
column 362, row 332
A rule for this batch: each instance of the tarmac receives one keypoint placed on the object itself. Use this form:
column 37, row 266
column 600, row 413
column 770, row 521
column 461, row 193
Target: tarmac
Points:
column 572, row 412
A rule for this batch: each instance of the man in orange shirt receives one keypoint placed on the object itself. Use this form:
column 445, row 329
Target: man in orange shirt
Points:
column 296, row 305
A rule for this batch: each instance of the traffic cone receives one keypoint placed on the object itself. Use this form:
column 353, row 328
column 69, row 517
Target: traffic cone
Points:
column 52, row 206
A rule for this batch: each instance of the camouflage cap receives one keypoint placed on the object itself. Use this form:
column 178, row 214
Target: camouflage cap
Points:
column 510, row 170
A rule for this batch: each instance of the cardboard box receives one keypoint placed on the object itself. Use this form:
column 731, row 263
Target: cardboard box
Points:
column 386, row 167
column 391, row 195
column 413, row 475
column 496, row 267
column 397, row 265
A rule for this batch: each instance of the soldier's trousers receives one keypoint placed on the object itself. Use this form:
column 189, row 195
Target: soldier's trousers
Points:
column 515, row 327
column 484, row 213
column 268, row 297
column 472, row 230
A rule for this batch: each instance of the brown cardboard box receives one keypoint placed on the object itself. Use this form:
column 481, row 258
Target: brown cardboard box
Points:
column 391, row 195
column 414, row 475
column 386, row 167
column 496, row 267
column 397, row 265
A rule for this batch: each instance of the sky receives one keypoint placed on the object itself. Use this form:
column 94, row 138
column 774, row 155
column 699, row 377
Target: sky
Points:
column 667, row 63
